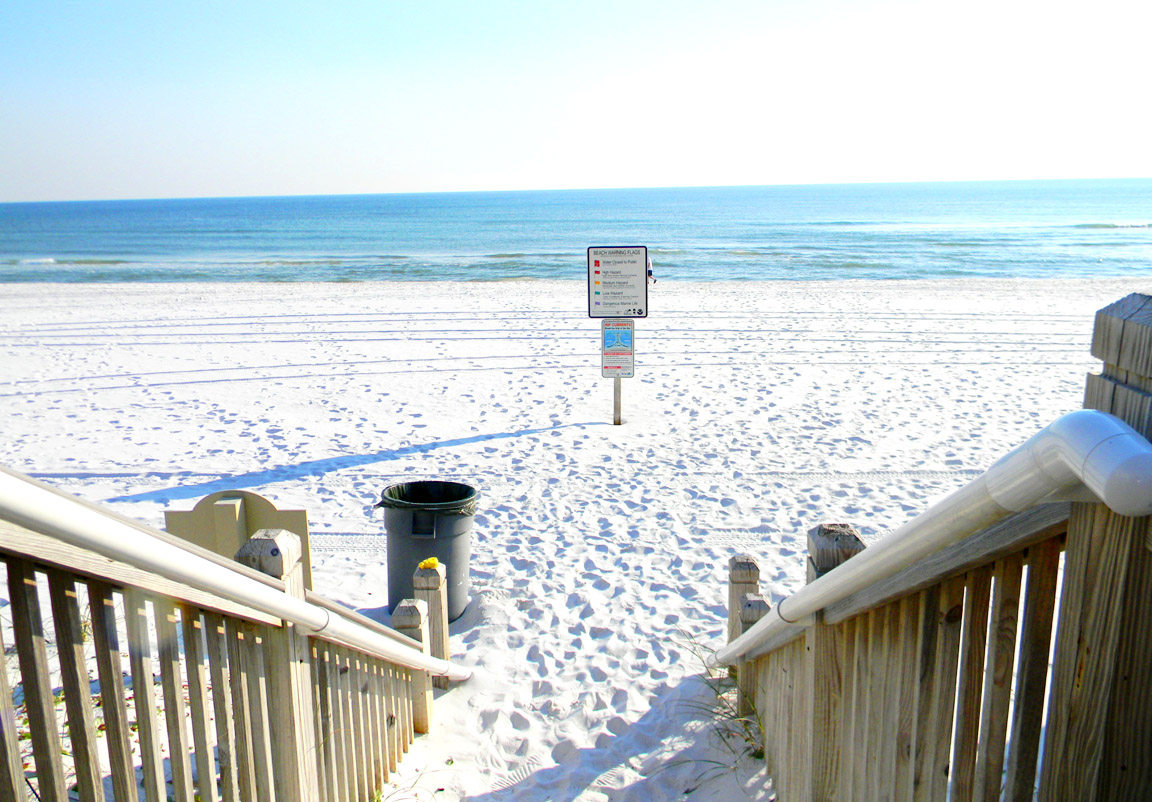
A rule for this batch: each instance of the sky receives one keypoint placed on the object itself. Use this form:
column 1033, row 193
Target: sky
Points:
column 210, row 99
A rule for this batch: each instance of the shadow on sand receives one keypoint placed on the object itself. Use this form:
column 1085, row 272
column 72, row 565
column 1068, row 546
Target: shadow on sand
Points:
column 320, row 467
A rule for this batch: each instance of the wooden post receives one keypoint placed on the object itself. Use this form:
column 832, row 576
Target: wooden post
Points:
column 277, row 552
column 753, row 607
column 743, row 578
column 411, row 618
column 616, row 403
column 825, row 666
column 429, row 586
column 1099, row 734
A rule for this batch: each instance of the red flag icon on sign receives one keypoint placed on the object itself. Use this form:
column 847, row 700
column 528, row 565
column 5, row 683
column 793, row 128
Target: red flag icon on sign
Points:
column 597, row 263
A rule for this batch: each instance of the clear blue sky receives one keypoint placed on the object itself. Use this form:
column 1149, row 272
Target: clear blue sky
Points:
column 177, row 99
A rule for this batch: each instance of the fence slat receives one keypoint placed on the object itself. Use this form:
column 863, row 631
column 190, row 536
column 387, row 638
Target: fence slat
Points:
column 236, row 640
column 393, row 718
column 174, row 712
column 893, row 636
column 924, row 753
column 110, row 670
column 39, row 702
column 907, row 703
column 11, row 766
column 253, row 655
column 973, row 648
column 950, row 617
column 222, row 707
column 77, row 687
column 325, row 737
column 998, row 678
column 863, row 712
column 144, row 694
column 199, row 703
column 877, row 706
column 371, row 700
column 1035, row 646
column 848, row 705
column 359, row 730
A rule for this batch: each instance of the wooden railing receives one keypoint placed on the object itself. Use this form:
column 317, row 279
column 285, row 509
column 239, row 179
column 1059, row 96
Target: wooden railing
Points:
column 1015, row 664
column 124, row 682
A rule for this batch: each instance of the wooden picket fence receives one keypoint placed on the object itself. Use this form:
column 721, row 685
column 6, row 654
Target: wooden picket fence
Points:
column 124, row 683
column 1016, row 664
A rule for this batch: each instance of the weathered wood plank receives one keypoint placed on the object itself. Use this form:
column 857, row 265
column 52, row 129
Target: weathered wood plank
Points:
column 1035, row 646
column 11, row 767
column 199, row 704
column 341, row 722
column 325, row 741
column 1126, row 768
column 215, row 637
column 375, row 736
column 49, row 551
column 360, row 729
column 351, row 734
column 988, row 780
column 862, row 715
column 1108, row 330
column 907, row 703
column 236, row 640
column 877, row 707
column 171, row 681
column 848, row 707
column 891, row 713
column 824, row 665
column 258, row 711
column 1096, row 559
column 39, row 702
column 77, row 687
column 109, row 668
column 1009, row 536
column 973, row 650
column 136, row 622
column 950, row 616
column 925, row 662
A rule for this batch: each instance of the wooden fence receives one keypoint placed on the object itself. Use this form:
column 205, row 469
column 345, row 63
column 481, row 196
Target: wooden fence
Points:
column 1016, row 664
column 125, row 682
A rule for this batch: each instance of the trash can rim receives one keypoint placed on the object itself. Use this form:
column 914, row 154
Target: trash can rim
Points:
column 458, row 505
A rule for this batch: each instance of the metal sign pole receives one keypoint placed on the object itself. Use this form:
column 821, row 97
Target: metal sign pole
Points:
column 616, row 401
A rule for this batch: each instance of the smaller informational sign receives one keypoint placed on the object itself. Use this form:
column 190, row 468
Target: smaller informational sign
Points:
column 618, row 281
column 617, row 354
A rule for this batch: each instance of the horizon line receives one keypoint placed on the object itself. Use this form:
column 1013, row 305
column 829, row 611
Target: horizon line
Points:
column 572, row 189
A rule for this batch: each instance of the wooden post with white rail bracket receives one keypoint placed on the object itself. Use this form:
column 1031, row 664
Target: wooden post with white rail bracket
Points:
column 277, row 552
column 430, row 586
column 825, row 668
column 1099, row 733
column 411, row 618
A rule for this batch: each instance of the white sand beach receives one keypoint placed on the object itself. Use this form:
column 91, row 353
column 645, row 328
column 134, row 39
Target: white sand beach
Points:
column 599, row 554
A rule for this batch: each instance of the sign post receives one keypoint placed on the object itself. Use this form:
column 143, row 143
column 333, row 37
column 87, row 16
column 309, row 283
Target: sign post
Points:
column 617, row 292
column 617, row 357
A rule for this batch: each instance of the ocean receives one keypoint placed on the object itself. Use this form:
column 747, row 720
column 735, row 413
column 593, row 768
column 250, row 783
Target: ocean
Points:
column 1009, row 229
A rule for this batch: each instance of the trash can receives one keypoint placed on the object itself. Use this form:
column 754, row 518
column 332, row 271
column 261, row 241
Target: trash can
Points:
column 429, row 519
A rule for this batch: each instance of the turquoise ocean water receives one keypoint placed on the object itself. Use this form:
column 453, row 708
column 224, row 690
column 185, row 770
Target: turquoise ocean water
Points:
column 1017, row 229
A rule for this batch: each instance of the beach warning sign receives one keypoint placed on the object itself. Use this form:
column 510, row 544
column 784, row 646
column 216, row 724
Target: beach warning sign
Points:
column 617, row 351
column 618, row 281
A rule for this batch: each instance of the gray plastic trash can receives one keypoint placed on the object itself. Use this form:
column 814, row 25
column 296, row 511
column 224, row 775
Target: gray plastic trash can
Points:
column 429, row 519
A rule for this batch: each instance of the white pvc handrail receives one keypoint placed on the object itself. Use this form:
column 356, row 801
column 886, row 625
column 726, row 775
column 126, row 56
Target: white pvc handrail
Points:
column 1082, row 451
column 27, row 503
